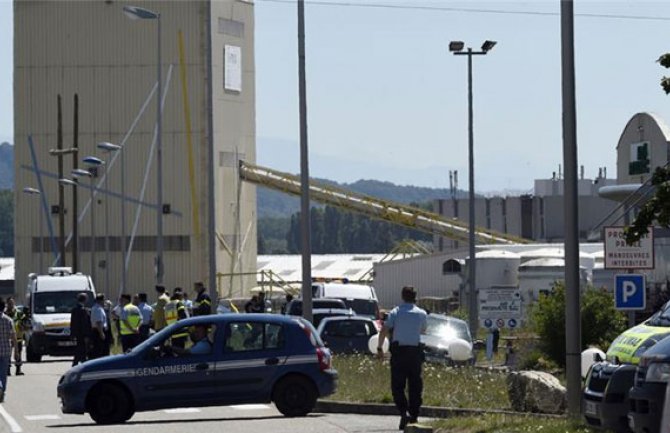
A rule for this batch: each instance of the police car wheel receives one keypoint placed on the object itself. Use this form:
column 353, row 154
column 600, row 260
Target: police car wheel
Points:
column 295, row 396
column 108, row 404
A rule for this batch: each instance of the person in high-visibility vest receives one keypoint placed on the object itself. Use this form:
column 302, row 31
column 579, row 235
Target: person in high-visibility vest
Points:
column 130, row 322
column 174, row 311
column 202, row 305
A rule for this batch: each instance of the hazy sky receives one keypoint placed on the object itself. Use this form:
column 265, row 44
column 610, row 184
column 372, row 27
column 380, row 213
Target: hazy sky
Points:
column 384, row 90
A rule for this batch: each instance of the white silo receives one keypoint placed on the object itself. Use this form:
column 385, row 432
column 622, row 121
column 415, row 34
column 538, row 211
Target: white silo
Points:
column 538, row 276
column 497, row 268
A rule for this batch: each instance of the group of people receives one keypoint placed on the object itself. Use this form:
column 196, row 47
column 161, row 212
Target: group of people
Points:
column 133, row 318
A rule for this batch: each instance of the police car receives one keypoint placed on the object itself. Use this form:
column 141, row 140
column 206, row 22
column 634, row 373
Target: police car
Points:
column 243, row 358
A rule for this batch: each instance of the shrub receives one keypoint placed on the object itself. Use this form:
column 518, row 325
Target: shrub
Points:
column 601, row 322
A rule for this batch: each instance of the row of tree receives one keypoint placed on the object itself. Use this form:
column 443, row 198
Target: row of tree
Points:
column 334, row 231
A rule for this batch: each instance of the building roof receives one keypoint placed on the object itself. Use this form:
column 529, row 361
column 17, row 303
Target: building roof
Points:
column 288, row 267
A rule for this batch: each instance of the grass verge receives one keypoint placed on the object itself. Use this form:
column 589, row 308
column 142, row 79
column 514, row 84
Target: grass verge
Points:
column 365, row 379
column 494, row 423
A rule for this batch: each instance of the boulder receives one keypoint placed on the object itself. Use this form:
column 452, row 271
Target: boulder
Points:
column 536, row 391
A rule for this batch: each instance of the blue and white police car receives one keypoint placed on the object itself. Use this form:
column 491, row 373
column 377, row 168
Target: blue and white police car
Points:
column 237, row 359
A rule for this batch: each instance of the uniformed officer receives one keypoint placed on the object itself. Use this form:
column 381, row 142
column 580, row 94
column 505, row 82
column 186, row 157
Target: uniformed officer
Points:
column 404, row 326
column 130, row 320
column 174, row 311
column 159, row 311
column 202, row 305
column 20, row 327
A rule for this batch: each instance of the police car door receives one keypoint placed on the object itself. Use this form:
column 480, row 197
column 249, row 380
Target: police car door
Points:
column 171, row 377
column 253, row 352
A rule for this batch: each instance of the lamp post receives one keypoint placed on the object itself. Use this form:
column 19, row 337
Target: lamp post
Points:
column 79, row 173
column 36, row 192
column 456, row 47
column 59, row 153
column 135, row 13
column 93, row 161
column 104, row 145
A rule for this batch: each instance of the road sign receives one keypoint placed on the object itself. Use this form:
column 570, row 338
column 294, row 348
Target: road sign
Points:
column 620, row 255
column 512, row 323
column 630, row 292
column 499, row 305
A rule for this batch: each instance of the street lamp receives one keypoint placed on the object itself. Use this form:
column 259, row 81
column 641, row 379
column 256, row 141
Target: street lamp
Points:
column 96, row 162
column 111, row 147
column 75, row 223
column 456, row 47
column 137, row 13
column 36, row 192
column 79, row 173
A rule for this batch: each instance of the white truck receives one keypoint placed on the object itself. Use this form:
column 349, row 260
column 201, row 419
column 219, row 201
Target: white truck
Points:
column 361, row 298
column 50, row 299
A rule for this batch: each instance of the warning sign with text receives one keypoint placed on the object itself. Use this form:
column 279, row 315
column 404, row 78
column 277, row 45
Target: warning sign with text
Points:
column 500, row 303
column 620, row 255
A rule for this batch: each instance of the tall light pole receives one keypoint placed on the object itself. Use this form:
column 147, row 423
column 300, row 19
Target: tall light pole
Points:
column 59, row 153
column 79, row 173
column 456, row 47
column 36, row 192
column 104, row 145
column 94, row 163
column 135, row 13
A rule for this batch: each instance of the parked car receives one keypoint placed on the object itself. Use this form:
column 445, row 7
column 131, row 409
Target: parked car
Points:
column 647, row 396
column 344, row 335
column 318, row 314
column 252, row 358
column 294, row 308
column 442, row 332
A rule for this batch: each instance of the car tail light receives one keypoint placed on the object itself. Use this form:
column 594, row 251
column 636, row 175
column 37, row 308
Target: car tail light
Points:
column 325, row 359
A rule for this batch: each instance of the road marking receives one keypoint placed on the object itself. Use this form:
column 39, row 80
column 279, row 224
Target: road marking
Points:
column 250, row 406
column 41, row 417
column 13, row 425
column 182, row 410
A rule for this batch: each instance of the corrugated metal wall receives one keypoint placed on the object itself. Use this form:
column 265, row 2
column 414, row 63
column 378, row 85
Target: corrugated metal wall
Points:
column 91, row 48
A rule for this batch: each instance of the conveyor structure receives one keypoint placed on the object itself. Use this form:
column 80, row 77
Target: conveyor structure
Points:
column 385, row 210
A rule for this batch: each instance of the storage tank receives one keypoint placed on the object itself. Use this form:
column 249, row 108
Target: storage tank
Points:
column 496, row 268
column 586, row 260
column 538, row 276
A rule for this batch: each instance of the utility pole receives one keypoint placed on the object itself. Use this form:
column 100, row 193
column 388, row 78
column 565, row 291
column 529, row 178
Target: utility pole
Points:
column 75, row 206
column 61, row 191
column 306, row 242
column 572, row 295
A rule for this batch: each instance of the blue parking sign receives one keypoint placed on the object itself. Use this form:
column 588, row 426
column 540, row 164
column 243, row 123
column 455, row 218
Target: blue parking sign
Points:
column 629, row 292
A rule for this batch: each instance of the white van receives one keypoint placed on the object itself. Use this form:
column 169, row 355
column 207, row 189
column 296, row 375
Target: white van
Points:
column 359, row 297
column 50, row 299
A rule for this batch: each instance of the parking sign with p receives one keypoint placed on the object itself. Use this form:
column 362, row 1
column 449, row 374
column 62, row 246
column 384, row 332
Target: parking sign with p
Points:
column 629, row 292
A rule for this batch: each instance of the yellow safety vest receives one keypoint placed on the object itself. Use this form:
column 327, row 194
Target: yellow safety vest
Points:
column 172, row 309
column 134, row 317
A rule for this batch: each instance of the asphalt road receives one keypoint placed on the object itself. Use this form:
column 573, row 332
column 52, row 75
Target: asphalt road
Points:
column 31, row 406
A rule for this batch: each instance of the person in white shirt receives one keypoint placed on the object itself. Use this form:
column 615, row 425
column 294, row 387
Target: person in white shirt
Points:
column 147, row 313
column 99, row 327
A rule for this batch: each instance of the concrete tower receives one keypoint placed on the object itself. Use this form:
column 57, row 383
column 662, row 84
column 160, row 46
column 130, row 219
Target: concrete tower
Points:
column 92, row 49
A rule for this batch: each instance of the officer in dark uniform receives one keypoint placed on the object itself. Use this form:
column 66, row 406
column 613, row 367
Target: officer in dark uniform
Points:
column 404, row 326
column 202, row 305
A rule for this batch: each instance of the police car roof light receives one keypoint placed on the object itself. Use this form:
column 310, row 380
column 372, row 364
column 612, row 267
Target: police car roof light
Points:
column 60, row 270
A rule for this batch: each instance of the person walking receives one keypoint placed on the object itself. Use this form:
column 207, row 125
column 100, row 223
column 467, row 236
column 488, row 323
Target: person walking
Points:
column 130, row 320
column 175, row 311
column 80, row 328
column 159, row 311
column 7, row 344
column 19, row 328
column 147, row 313
column 99, row 325
column 404, row 326
column 202, row 305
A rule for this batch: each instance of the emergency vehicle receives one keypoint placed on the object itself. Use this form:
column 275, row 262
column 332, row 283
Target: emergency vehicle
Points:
column 50, row 298
column 253, row 358
column 606, row 388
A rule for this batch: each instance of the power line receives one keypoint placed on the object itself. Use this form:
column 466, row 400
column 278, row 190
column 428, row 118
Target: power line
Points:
column 468, row 10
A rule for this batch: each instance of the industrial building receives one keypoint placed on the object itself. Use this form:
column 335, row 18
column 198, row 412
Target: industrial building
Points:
column 91, row 49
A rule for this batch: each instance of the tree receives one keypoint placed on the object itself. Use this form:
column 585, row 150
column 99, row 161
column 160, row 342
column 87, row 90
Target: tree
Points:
column 658, row 207
column 6, row 223
column 601, row 322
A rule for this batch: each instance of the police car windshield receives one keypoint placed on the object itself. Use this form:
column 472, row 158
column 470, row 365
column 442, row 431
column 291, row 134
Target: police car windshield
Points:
column 57, row 302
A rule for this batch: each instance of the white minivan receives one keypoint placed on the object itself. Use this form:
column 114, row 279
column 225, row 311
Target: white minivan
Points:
column 359, row 297
column 51, row 298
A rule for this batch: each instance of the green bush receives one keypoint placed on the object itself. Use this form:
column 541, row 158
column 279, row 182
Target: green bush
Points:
column 601, row 322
